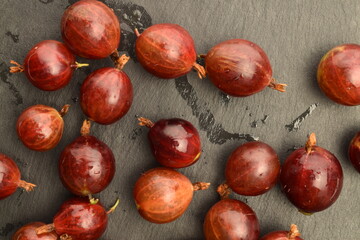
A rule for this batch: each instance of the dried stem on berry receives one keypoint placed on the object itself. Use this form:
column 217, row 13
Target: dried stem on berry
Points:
column 17, row 68
column 224, row 191
column 201, row 186
column 145, row 122
column 277, row 86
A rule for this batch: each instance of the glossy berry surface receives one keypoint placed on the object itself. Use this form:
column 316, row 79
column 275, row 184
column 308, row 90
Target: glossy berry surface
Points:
column 40, row 127
column 354, row 152
column 166, row 50
column 81, row 220
column 162, row 195
column 27, row 232
column 86, row 166
column 231, row 219
column 238, row 67
column 338, row 74
column 252, row 169
column 106, row 95
column 49, row 65
column 90, row 29
column 10, row 177
column 175, row 142
column 311, row 178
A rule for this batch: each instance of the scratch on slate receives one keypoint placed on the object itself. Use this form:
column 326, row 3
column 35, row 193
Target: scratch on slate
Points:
column 215, row 131
column 295, row 125
column 4, row 74
column 14, row 37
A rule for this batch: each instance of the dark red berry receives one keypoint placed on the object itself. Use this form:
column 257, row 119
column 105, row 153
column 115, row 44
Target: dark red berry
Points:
column 240, row 68
column 106, row 95
column 293, row 234
column 90, row 29
column 354, row 152
column 49, row 65
column 174, row 142
column 79, row 219
column 87, row 165
column 10, row 177
column 167, row 51
column 27, row 232
column 339, row 73
column 311, row 177
column 40, row 127
column 231, row 219
column 163, row 194
column 252, row 169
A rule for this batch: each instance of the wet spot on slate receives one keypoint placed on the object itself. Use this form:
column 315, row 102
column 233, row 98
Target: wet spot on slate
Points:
column 9, row 227
column 296, row 123
column 215, row 131
column 254, row 124
column 14, row 37
column 75, row 99
column 46, row 1
column 225, row 98
column 4, row 74
column 136, row 132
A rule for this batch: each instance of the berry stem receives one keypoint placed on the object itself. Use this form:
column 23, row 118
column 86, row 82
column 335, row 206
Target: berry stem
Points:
column 224, row 191
column 310, row 142
column 200, row 70
column 118, row 60
column 79, row 65
column 112, row 209
column 145, row 122
column 202, row 55
column 277, row 86
column 27, row 186
column 201, row 186
column 294, row 232
column 85, row 129
column 45, row 229
column 17, row 68
column 64, row 110
column 93, row 200
column 65, row 237
column 136, row 31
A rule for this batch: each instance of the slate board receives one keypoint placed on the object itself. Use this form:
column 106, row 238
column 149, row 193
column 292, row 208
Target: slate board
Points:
column 294, row 34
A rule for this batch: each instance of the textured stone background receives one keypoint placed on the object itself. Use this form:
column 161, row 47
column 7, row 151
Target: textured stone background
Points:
column 294, row 34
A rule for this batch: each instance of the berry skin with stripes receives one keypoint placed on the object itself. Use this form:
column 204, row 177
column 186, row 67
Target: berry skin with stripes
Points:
column 240, row 68
column 90, row 29
column 49, row 65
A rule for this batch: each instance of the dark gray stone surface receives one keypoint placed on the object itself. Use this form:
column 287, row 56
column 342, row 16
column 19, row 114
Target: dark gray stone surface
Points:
column 294, row 34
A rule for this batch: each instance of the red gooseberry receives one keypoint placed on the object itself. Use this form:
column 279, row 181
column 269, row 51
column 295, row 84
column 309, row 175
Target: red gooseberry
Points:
column 174, row 142
column 311, row 177
column 252, row 169
column 240, row 68
column 354, row 152
column 27, row 232
column 40, row 127
column 10, row 177
column 230, row 219
column 293, row 234
column 163, row 194
column 49, row 65
column 90, row 29
column 106, row 94
column 79, row 219
column 87, row 165
column 339, row 73
column 167, row 51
